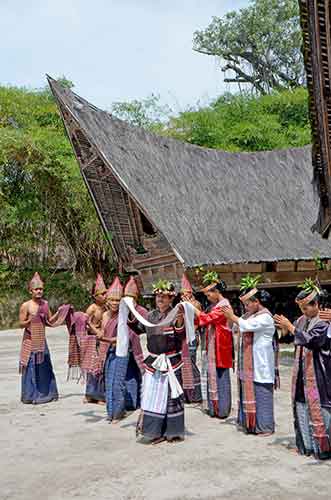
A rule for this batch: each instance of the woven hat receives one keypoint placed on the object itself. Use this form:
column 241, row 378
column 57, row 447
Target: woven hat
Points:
column 115, row 291
column 99, row 287
column 36, row 282
column 131, row 288
column 186, row 285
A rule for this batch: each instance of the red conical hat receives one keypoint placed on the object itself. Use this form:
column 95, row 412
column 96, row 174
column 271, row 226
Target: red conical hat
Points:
column 36, row 282
column 186, row 285
column 131, row 288
column 115, row 291
column 99, row 286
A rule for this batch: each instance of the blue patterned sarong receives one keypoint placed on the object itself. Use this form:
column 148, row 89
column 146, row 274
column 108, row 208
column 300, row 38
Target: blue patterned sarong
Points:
column 123, row 384
column 224, row 394
column 95, row 387
column 38, row 381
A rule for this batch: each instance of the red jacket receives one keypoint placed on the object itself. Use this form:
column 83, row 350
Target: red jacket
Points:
column 223, row 336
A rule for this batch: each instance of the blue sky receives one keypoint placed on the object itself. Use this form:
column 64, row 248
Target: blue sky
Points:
column 112, row 50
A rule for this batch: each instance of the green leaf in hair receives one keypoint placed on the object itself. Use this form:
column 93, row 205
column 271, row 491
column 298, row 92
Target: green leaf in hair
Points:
column 309, row 285
column 209, row 278
column 249, row 281
column 164, row 285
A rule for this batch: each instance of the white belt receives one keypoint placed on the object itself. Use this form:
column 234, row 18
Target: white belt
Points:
column 163, row 364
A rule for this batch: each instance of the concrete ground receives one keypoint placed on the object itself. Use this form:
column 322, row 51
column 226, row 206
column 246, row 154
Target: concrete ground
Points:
column 67, row 450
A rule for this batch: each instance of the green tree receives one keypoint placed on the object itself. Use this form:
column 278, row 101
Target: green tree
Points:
column 148, row 113
column 246, row 122
column 44, row 201
column 259, row 45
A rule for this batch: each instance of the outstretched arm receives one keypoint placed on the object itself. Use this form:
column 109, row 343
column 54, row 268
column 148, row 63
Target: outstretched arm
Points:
column 134, row 324
column 213, row 316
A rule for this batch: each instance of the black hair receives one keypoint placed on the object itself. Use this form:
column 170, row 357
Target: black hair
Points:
column 221, row 286
column 261, row 295
column 324, row 299
column 264, row 297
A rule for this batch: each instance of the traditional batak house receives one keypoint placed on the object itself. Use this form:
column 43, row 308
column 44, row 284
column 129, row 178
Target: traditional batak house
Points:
column 316, row 27
column 167, row 206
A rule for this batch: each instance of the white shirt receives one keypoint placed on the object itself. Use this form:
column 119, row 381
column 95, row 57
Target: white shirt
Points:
column 263, row 327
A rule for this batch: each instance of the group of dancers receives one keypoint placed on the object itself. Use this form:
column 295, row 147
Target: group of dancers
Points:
column 160, row 375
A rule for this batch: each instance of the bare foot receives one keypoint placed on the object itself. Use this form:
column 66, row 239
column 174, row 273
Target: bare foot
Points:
column 100, row 402
column 265, row 434
column 294, row 451
column 175, row 440
column 158, row 440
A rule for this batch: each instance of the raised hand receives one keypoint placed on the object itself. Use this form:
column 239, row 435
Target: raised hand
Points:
column 325, row 315
column 283, row 323
column 227, row 311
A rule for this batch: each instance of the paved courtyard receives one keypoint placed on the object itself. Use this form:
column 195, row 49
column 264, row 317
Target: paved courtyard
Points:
column 67, row 450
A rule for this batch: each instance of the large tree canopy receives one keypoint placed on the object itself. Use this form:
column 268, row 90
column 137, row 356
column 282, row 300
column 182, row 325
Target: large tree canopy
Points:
column 259, row 45
column 43, row 200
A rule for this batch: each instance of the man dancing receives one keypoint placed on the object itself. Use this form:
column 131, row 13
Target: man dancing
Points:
column 123, row 375
column 38, row 379
column 162, row 407
column 95, row 387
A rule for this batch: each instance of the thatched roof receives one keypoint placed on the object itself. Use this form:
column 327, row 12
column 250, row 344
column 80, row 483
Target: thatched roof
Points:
column 315, row 21
column 213, row 207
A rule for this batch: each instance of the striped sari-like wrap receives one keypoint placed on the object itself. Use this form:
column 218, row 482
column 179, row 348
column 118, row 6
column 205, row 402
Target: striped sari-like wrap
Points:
column 38, row 384
column 110, row 331
column 86, row 346
column 245, row 376
column 189, row 376
column 77, row 329
column 195, row 395
column 204, row 380
column 247, row 382
column 34, row 339
column 317, row 431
